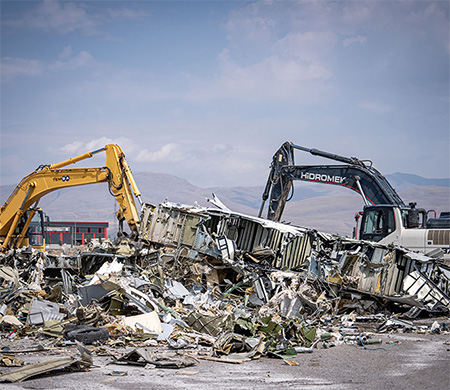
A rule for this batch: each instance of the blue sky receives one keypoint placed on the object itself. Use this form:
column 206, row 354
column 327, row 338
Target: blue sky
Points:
column 208, row 90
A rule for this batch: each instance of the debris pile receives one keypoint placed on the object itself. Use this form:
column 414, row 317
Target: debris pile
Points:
column 211, row 284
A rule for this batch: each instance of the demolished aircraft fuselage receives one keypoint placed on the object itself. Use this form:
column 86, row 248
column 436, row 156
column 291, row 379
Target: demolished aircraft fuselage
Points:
column 241, row 240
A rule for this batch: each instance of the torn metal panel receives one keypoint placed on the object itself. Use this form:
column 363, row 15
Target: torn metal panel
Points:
column 9, row 360
column 175, row 290
column 142, row 301
column 67, row 282
column 393, row 323
column 227, row 248
column 169, row 225
column 43, row 311
column 204, row 244
column 89, row 263
column 441, row 277
column 149, row 322
column 35, row 369
column 417, row 284
column 107, row 268
column 143, row 356
column 10, row 320
column 96, row 291
column 9, row 275
column 29, row 371
column 296, row 252
column 211, row 325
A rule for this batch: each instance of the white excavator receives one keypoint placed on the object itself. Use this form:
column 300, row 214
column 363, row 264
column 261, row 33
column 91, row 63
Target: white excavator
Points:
column 385, row 218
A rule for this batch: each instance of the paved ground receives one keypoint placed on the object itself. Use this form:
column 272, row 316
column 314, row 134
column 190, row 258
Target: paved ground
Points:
column 420, row 361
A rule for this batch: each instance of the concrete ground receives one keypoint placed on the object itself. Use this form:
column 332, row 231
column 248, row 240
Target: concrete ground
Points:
column 419, row 361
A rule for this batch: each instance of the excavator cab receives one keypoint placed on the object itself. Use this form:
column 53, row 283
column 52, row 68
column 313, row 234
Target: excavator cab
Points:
column 36, row 231
column 377, row 222
column 30, row 229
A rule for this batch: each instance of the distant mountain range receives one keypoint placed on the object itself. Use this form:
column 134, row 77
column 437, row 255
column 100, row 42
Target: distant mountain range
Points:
column 405, row 181
column 323, row 207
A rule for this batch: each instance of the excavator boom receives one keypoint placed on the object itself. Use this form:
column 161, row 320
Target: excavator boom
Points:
column 355, row 174
column 48, row 178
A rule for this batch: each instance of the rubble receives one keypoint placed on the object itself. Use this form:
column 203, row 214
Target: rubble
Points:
column 67, row 363
column 208, row 283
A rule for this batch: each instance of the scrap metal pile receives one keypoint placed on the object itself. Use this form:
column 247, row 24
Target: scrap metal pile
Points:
column 209, row 283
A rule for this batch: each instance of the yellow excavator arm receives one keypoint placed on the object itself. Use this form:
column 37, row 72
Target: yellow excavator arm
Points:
column 48, row 178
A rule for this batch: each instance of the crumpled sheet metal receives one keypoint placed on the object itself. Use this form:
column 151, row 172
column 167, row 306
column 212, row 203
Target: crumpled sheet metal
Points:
column 9, row 360
column 29, row 371
column 10, row 320
column 148, row 322
column 9, row 274
column 69, row 363
column 239, row 347
column 211, row 325
column 43, row 311
column 144, row 356
column 416, row 284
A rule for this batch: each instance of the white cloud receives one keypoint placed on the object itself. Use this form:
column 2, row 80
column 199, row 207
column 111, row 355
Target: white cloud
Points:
column 272, row 77
column 357, row 39
column 13, row 67
column 376, row 107
column 204, row 162
column 185, row 158
column 357, row 13
column 62, row 17
column 170, row 152
column 82, row 60
column 73, row 148
column 276, row 51
column 20, row 66
column 125, row 14
column 66, row 52
column 282, row 75
column 434, row 17
column 79, row 147
column 65, row 17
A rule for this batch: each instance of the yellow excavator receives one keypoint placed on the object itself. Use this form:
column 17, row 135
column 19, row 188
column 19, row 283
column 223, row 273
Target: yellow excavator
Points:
column 21, row 206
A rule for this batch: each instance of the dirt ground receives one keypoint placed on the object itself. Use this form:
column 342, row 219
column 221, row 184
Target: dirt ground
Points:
column 419, row 361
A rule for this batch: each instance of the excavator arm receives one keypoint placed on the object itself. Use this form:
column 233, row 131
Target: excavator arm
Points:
column 355, row 174
column 20, row 207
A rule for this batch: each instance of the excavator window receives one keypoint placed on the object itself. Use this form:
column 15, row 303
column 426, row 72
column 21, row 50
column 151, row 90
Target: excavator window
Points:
column 373, row 225
column 36, row 233
column 377, row 223
column 404, row 217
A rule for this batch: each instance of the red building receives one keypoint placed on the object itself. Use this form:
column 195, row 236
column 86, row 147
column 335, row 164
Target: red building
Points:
column 72, row 232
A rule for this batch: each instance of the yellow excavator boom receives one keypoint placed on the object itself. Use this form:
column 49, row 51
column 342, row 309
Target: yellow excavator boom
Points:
column 48, row 178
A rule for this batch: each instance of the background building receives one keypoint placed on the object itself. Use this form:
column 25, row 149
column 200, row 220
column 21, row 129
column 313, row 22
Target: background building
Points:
column 71, row 232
